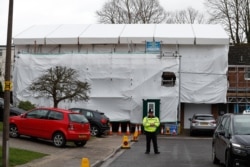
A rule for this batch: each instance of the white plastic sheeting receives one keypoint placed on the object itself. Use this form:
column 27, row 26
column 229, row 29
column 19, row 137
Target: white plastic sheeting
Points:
column 123, row 34
column 204, row 73
column 119, row 82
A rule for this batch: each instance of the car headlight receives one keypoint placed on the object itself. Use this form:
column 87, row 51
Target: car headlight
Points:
column 236, row 145
column 239, row 149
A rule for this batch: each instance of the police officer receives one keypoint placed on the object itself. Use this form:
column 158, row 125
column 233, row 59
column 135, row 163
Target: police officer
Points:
column 151, row 123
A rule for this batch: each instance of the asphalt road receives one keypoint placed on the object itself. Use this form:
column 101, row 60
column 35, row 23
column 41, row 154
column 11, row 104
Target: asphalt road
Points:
column 175, row 152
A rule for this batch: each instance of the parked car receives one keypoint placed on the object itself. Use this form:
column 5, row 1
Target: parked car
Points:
column 246, row 112
column 99, row 122
column 202, row 123
column 58, row 125
column 231, row 141
column 13, row 110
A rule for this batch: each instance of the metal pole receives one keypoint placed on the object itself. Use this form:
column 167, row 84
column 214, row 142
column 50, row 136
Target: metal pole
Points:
column 179, row 105
column 179, row 108
column 7, row 87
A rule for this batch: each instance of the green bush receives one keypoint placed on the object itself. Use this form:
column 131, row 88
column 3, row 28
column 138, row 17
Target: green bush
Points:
column 26, row 105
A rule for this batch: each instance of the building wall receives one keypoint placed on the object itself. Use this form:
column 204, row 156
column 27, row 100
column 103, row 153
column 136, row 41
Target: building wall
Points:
column 238, row 87
column 238, row 95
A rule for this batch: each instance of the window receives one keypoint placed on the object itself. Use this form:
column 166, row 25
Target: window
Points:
column 151, row 105
column 55, row 115
column 40, row 114
column 89, row 114
column 77, row 118
column 168, row 79
column 247, row 73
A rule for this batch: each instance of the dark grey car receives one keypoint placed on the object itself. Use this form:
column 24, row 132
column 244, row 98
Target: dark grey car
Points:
column 99, row 122
column 231, row 141
column 13, row 110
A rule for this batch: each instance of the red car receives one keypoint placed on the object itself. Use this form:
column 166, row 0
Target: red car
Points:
column 58, row 125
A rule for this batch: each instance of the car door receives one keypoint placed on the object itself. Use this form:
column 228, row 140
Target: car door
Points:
column 33, row 123
column 52, row 123
column 223, row 138
column 216, row 140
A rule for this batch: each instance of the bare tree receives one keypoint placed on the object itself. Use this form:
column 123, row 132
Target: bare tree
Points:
column 131, row 12
column 62, row 84
column 186, row 16
column 234, row 15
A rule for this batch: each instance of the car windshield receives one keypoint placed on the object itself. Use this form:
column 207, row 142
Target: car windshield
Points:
column 242, row 124
column 77, row 118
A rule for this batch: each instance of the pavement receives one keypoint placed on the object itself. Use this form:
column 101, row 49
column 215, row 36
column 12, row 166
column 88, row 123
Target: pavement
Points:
column 96, row 151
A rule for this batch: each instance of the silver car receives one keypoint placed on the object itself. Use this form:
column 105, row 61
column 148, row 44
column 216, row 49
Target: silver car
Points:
column 202, row 123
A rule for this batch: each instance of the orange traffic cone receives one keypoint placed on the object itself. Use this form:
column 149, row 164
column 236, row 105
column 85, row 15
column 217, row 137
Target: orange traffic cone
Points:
column 135, row 136
column 139, row 130
column 128, row 131
column 136, row 128
column 162, row 130
column 119, row 130
column 110, row 130
column 167, row 131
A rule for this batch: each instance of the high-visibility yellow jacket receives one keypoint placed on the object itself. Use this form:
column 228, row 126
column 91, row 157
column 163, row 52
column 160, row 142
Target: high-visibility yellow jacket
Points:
column 150, row 124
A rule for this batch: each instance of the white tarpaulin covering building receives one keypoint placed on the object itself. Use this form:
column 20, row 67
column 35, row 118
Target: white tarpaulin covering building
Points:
column 121, row 68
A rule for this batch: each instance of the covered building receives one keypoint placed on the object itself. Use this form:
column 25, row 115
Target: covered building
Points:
column 130, row 67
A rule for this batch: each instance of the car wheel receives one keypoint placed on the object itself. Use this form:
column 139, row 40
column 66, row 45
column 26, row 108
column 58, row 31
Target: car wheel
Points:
column 214, row 158
column 59, row 139
column 228, row 160
column 13, row 131
column 80, row 143
column 94, row 131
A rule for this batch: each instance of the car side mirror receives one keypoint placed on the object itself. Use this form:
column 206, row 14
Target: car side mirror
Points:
column 190, row 119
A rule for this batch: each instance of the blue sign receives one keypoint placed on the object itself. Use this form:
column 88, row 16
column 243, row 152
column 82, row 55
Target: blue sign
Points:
column 153, row 46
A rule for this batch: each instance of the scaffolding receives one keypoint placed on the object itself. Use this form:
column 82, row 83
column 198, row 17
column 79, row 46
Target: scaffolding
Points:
column 238, row 92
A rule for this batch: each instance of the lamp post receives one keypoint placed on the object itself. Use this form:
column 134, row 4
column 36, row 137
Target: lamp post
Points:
column 7, row 87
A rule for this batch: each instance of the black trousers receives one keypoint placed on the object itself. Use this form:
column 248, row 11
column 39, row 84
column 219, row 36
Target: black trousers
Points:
column 151, row 136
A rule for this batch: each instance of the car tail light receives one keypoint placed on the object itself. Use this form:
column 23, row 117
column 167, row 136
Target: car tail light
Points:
column 71, row 127
column 103, row 121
